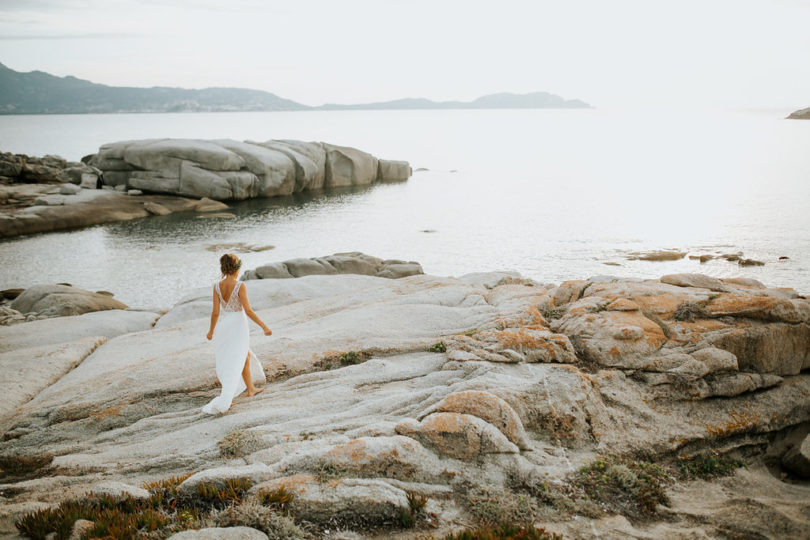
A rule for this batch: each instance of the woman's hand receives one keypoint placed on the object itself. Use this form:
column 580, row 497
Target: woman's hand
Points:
column 210, row 335
column 267, row 331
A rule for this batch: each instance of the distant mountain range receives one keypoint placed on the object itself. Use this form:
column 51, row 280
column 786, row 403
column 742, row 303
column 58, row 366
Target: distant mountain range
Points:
column 38, row 92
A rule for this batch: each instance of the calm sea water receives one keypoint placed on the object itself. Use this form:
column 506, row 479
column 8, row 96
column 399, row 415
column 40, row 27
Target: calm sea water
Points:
column 553, row 194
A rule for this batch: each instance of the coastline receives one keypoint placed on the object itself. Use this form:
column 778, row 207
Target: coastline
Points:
column 531, row 383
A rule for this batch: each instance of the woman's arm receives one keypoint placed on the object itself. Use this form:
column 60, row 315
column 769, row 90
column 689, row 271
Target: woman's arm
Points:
column 250, row 313
column 214, row 316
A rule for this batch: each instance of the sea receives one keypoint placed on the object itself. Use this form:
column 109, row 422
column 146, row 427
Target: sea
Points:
column 551, row 194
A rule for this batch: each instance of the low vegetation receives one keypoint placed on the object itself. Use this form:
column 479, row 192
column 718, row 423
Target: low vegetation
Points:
column 338, row 360
column 239, row 443
column 167, row 511
column 504, row 532
column 708, row 465
column 439, row 347
column 631, row 488
column 16, row 468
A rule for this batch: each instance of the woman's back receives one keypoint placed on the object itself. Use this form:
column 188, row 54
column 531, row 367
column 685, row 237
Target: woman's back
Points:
column 229, row 295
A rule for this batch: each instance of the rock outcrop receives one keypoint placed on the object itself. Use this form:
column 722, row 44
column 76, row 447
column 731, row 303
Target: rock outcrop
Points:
column 383, row 390
column 801, row 114
column 339, row 263
column 225, row 169
column 20, row 168
column 61, row 300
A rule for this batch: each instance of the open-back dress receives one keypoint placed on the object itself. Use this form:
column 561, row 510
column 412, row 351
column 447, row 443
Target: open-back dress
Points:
column 232, row 344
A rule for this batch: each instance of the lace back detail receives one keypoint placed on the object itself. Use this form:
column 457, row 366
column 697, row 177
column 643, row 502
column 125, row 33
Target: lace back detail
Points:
column 233, row 303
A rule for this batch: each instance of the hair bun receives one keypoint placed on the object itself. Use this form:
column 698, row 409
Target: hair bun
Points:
column 229, row 264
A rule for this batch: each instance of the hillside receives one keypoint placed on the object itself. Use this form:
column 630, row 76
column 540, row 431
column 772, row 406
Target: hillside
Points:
column 38, row 92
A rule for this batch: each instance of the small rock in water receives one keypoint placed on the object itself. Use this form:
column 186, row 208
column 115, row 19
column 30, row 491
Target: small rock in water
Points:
column 731, row 257
column 421, row 169
column 750, row 262
column 134, row 192
column 702, row 258
column 659, row 255
column 210, row 205
column 610, row 263
column 784, row 258
column 224, row 215
column 428, row 230
column 156, row 209
column 240, row 247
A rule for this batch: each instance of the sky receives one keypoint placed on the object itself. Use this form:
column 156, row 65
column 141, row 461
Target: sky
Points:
column 610, row 53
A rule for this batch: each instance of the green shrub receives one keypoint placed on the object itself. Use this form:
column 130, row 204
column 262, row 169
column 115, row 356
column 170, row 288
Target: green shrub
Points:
column 632, row 488
column 504, row 531
column 707, row 465
column 439, row 347
column 280, row 498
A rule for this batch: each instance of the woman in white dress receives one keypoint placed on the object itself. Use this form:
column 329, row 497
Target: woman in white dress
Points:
column 237, row 366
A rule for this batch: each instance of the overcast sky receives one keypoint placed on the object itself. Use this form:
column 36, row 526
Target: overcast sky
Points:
column 611, row 53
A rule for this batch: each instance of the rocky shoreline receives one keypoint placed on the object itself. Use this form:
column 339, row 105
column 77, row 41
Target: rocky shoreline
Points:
column 801, row 114
column 135, row 179
column 420, row 406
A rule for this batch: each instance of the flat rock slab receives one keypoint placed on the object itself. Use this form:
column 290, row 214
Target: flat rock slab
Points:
column 66, row 329
column 221, row 533
column 89, row 207
column 26, row 372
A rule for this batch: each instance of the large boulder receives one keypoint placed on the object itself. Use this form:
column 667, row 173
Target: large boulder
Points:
column 62, row 300
column 393, row 171
column 349, row 167
column 308, row 159
column 461, row 436
column 225, row 169
column 275, row 170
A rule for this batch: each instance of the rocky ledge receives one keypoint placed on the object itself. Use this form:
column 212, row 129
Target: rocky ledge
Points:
column 419, row 406
column 226, row 169
column 801, row 114
column 162, row 176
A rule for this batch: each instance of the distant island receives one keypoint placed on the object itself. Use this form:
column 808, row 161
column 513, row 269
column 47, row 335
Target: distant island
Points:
column 802, row 114
column 38, row 92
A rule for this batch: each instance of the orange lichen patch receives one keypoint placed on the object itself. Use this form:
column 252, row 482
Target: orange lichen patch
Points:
column 353, row 450
column 444, row 422
column 739, row 421
column 691, row 332
column 614, row 352
column 569, row 367
column 661, row 304
column 623, row 304
column 743, row 304
column 296, row 482
column 110, row 411
column 531, row 318
column 526, row 339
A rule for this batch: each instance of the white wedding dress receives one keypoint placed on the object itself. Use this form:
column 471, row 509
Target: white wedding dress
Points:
column 232, row 344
